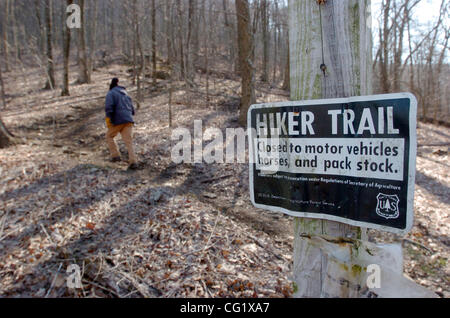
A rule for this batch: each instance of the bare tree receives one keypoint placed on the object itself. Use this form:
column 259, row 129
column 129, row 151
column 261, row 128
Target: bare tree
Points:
column 6, row 138
column 265, row 39
column 189, row 53
column 287, row 72
column 5, row 35
column 2, row 91
column 154, row 51
column 84, row 75
column 50, row 62
column 246, row 57
column 67, row 38
column 180, row 40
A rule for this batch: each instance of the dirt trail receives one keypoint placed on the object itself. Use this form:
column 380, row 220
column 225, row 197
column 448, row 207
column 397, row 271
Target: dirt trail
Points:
column 167, row 230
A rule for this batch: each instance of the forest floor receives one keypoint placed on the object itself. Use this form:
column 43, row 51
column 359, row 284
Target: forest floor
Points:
column 166, row 230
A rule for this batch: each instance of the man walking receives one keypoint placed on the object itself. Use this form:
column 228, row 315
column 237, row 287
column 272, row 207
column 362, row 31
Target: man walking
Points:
column 119, row 119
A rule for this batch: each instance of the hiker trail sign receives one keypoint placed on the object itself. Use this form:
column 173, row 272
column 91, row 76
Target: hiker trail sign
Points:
column 350, row 160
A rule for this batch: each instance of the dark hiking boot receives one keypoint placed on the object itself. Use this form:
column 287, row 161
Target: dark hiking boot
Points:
column 133, row 167
column 116, row 159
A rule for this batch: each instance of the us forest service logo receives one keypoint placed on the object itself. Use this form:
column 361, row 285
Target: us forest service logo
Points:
column 387, row 206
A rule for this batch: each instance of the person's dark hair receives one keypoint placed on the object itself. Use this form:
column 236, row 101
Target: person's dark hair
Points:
column 114, row 83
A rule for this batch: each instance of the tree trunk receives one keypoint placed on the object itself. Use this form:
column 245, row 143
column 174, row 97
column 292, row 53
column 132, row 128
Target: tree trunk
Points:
column 265, row 35
column 141, row 60
column 246, row 57
column 50, row 62
column 84, row 76
column 5, row 35
column 206, row 39
column 15, row 33
column 169, row 31
column 2, row 86
column 154, row 65
column 384, row 42
column 91, row 59
column 440, row 66
column 347, row 56
column 134, row 26
column 189, row 59
column 287, row 71
column 180, row 40
column 6, row 138
column 276, row 40
column 67, row 38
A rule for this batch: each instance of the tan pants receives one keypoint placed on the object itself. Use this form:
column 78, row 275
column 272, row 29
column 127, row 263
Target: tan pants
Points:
column 126, row 131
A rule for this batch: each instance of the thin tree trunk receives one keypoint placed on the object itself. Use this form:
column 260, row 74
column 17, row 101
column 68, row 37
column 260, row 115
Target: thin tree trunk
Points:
column 189, row 67
column 2, row 91
column 246, row 57
column 6, row 139
column 266, row 40
column 15, row 32
column 50, row 62
column 67, row 38
column 37, row 8
column 384, row 42
column 170, row 101
column 276, row 39
column 154, row 64
column 141, row 62
column 287, row 71
column 91, row 60
column 439, row 67
column 134, row 29
column 169, row 31
column 180, row 41
column 5, row 35
column 206, row 48
column 84, row 76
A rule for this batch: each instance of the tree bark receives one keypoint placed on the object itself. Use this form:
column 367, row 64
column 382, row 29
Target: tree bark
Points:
column 5, row 35
column 265, row 35
column 169, row 31
column 246, row 57
column 180, row 41
column 67, row 38
column 154, row 65
column 84, row 76
column 15, row 33
column 206, row 39
column 2, row 91
column 6, row 138
column 384, row 43
column 189, row 54
column 287, row 71
column 347, row 55
column 50, row 62
column 276, row 40
column 93, row 46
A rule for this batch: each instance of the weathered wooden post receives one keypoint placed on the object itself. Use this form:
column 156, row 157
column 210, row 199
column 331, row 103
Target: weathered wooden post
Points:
column 331, row 56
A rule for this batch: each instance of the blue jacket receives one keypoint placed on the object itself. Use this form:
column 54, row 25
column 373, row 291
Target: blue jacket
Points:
column 119, row 106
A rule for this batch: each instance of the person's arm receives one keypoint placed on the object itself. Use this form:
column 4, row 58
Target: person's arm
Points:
column 109, row 106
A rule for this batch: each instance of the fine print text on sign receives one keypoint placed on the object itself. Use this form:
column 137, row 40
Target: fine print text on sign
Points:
column 350, row 160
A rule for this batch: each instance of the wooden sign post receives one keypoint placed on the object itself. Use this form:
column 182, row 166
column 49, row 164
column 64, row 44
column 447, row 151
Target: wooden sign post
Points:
column 331, row 57
column 337, row 159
